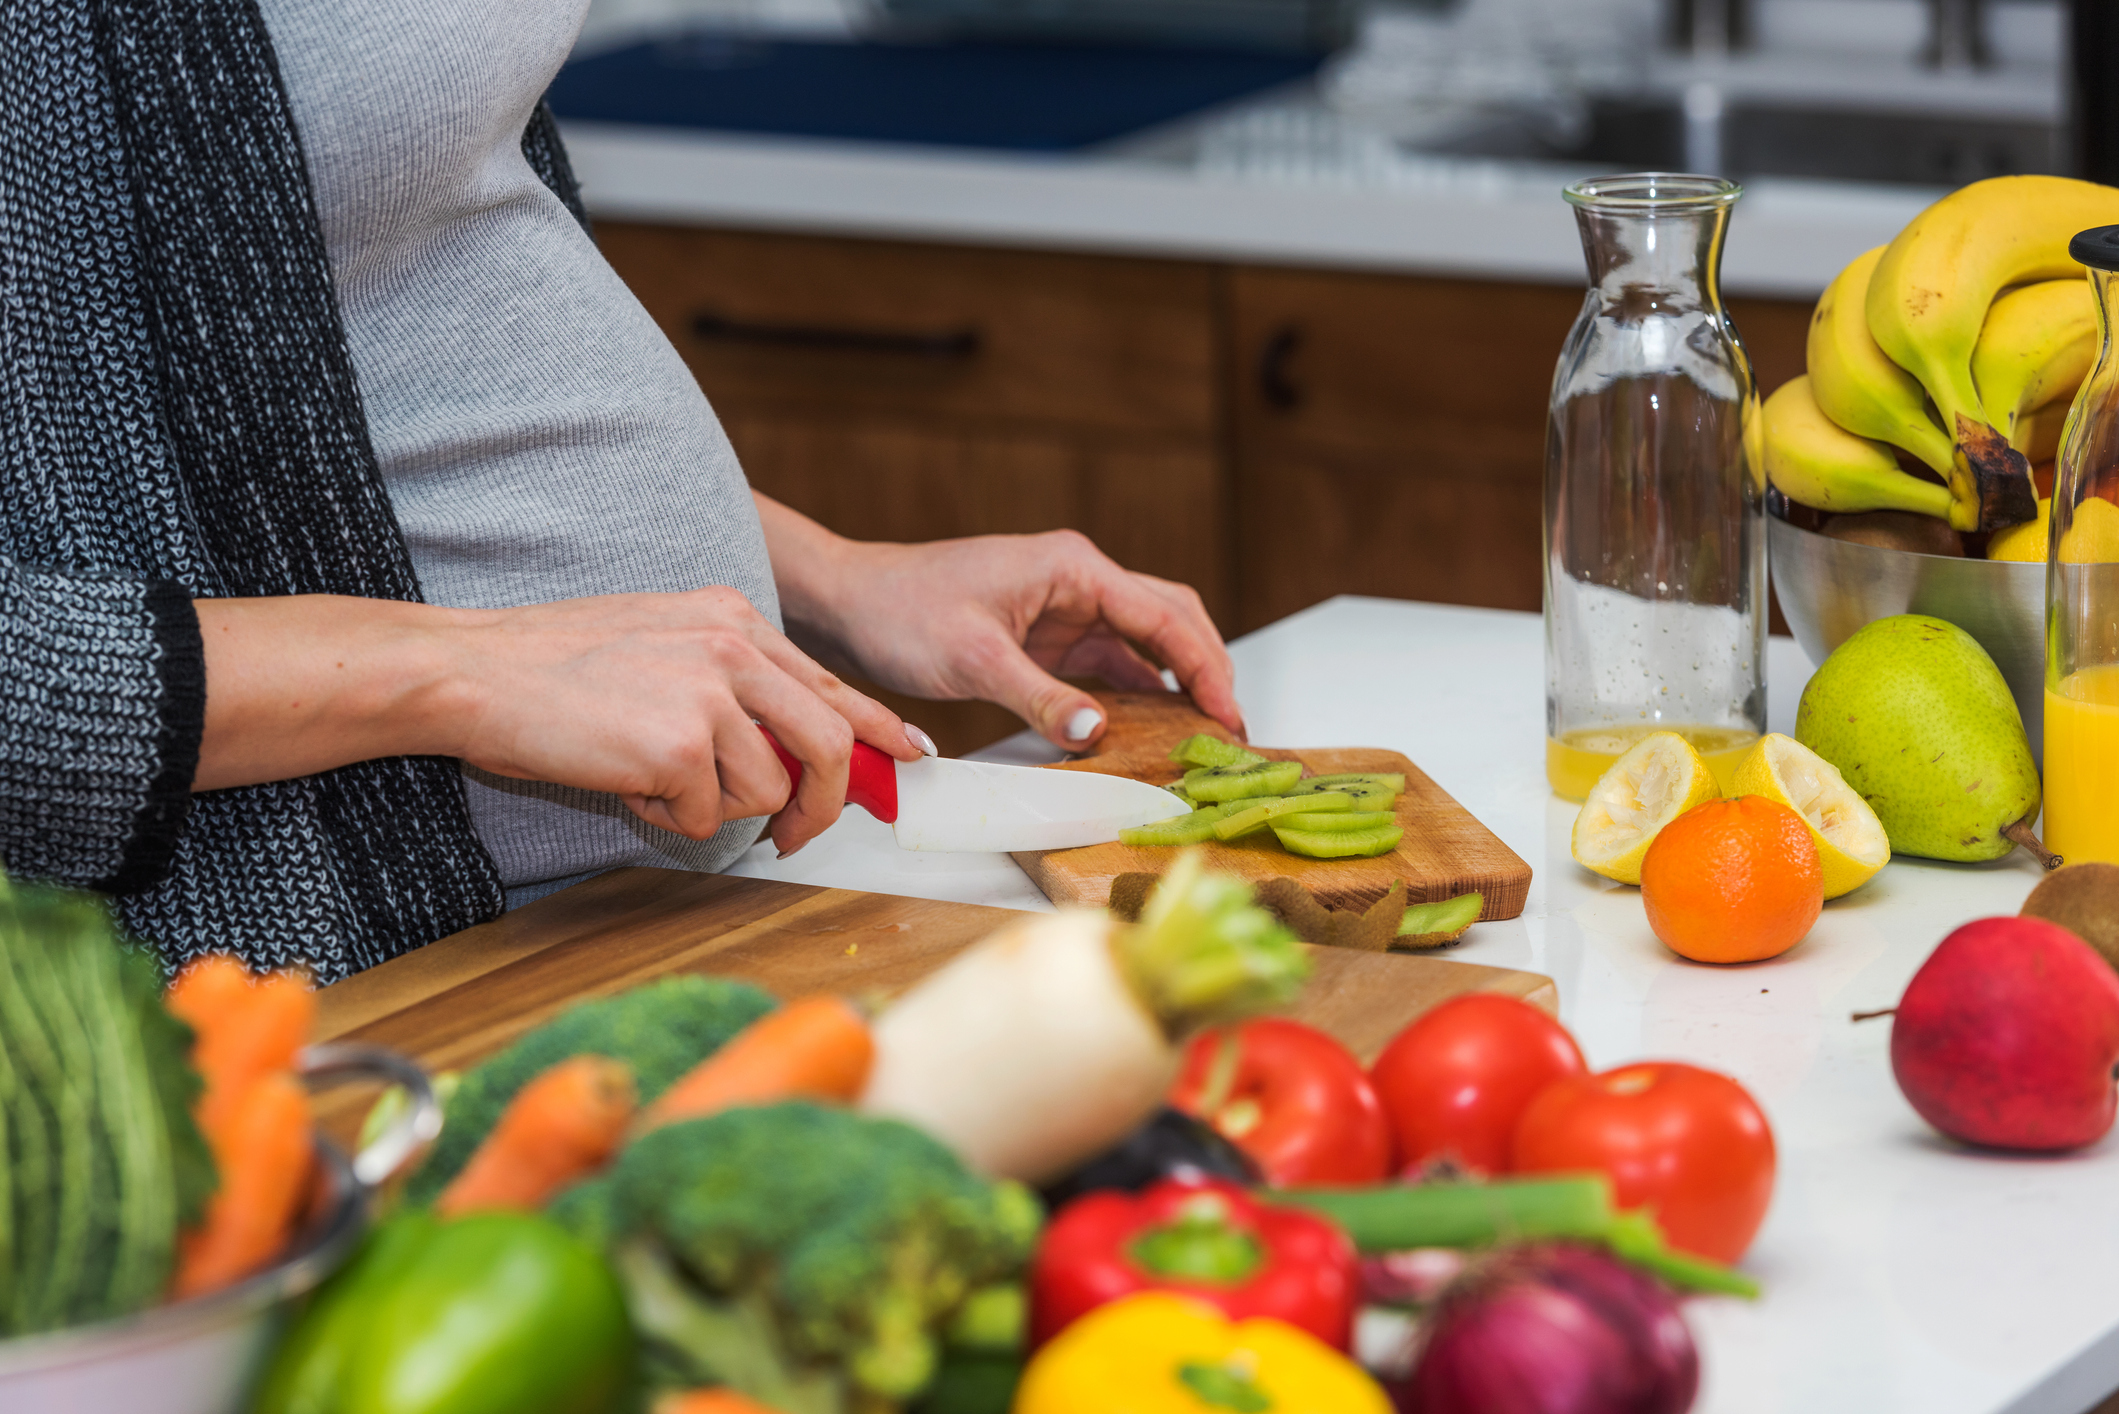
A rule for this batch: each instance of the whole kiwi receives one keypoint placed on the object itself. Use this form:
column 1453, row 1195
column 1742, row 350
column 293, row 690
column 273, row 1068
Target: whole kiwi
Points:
column 2084, row 899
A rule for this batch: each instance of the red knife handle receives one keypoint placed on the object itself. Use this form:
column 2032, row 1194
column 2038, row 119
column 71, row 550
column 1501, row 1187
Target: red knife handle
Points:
column 871, row 778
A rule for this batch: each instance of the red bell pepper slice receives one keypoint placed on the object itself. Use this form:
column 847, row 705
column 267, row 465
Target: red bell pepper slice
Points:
column 1209, row 1240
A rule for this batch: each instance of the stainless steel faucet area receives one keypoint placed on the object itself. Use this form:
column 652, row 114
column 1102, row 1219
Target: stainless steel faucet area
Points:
column 1957, row 37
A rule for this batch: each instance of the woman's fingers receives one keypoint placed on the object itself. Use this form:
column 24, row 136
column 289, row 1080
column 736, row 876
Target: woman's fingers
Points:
column 871, row 721
column 1170, row 622
column 1004, row 673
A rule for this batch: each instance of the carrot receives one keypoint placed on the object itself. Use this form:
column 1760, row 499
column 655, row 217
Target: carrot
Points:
column 710, row 1401
column 561, row 1126
column 815, row 1048
column 247, row 1027
column 264, row 1150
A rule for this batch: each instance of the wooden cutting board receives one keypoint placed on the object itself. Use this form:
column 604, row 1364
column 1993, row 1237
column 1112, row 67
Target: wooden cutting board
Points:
column 456, row 1001
column 1445, row 851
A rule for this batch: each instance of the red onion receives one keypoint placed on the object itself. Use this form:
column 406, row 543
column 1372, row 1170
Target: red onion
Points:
column 1555, row 1329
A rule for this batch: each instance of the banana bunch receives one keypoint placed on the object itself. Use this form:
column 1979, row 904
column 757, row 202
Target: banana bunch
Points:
column 1961, row 343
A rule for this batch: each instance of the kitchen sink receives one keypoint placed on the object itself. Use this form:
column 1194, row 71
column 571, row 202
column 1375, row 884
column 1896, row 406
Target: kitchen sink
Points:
column 1929, row 149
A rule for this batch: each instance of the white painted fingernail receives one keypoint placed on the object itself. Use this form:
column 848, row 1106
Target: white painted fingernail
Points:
column 1083, row 724
column 920, row 740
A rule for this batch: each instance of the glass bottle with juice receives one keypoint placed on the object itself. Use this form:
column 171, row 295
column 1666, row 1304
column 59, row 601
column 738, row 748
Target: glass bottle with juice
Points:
column 1655, row 536
column 2082, row 597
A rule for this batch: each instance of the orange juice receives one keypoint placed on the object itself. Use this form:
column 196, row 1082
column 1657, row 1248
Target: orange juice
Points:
column 1575, row 760
column 2082, row 766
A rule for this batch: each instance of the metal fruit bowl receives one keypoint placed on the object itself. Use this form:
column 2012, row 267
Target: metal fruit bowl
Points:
column 201, row 1356
column 1829, row 588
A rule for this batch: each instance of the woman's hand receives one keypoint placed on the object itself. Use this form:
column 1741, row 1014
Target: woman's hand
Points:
column 999, row 618
column 650, row 697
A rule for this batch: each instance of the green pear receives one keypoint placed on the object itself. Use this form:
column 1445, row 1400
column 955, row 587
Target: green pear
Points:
column 1918, row 719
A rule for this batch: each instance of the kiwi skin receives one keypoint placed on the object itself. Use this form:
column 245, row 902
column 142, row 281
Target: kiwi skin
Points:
column 2084, row 899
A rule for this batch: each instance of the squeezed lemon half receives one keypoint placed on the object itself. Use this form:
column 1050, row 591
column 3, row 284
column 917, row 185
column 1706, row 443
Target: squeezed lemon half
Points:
column 1656, row 781
column 1851, row 842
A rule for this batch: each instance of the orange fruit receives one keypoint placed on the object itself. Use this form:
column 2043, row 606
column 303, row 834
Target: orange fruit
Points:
column 1733, row 881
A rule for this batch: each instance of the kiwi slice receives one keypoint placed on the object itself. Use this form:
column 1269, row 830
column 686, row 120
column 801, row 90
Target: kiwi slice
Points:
column 1219, row 783
column 1366, row 794
column 1203, row 750
column 1335, row 821
column 1230, row 807
column 1393, row 781
column 1238, row 823
column 1195, row 828
column 1340, row 844
column 1430, row 925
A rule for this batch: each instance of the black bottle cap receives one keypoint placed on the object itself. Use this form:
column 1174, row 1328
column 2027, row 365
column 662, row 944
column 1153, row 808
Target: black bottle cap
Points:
column 2098, row 248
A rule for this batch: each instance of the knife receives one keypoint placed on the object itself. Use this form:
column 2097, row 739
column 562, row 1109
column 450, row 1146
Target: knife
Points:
column 935, row 803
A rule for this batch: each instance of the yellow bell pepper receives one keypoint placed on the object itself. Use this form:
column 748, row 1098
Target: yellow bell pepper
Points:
column 1159, row 1353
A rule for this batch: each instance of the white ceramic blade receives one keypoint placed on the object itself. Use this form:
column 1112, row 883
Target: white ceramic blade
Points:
column 974, row 805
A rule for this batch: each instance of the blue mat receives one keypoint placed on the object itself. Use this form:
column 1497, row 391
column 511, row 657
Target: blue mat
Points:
column 1016, row 97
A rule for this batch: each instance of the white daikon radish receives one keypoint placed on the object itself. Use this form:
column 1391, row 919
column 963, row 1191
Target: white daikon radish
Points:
column 1053, row 1039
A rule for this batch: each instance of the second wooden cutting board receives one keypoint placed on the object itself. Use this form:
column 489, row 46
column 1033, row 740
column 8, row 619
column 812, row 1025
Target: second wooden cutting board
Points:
column 1445, row 852
column 452, row 1003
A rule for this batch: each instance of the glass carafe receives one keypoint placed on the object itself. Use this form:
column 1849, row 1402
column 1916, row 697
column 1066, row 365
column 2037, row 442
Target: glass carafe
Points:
column 2082, row 597
column 1655, row 536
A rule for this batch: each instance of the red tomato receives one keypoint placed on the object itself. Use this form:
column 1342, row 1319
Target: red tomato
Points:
column 1292, row 1098
column 1687, row 1143
column 1455, row 1082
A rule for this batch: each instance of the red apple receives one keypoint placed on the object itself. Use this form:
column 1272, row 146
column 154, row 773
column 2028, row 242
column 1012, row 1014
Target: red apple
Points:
column 2008, row 1036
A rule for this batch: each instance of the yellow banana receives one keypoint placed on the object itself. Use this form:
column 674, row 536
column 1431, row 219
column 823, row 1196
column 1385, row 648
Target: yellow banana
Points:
column 1815, row 461
column 2036, row 347
column 1929, row 296
column 1856, row 383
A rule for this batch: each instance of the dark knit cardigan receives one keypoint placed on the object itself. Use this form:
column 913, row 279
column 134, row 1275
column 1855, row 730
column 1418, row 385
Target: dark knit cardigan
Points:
column 179, row 419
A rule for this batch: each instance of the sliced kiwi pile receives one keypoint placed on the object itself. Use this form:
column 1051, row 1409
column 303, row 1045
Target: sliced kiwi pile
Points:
column 1346, row 816
column 1254, row 818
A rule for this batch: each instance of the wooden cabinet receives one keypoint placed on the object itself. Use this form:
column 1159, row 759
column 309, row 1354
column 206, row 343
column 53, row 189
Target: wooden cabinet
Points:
column 1389, row 432
column 1270, row 436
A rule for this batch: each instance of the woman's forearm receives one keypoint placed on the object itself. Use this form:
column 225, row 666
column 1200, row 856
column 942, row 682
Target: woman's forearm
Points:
column 300, row 685
column 814, row 569
column 654, row 698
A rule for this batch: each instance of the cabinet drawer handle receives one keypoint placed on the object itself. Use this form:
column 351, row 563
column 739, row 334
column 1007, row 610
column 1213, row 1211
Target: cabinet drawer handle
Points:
column 1274, row 385
column 945, row 344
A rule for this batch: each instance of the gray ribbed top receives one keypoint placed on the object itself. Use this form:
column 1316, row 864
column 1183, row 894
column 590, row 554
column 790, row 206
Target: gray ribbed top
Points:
column 540, row 438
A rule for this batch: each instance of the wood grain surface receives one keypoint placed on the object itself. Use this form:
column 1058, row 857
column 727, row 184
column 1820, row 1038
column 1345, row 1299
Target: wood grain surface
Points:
column 1445, row 851
column 456, row 1001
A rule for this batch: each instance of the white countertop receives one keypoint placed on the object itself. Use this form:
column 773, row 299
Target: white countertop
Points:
column 1901, row 1273
column 1369, row 207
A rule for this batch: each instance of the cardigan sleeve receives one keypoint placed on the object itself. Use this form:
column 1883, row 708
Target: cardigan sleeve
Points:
column 102, row 702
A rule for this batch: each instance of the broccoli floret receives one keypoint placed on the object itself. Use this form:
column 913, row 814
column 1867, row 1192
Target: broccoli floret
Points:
column 848, row 1241
column 661, row 1031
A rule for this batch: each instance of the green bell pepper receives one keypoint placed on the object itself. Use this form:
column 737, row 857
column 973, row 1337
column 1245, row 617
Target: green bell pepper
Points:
column 494, row 1313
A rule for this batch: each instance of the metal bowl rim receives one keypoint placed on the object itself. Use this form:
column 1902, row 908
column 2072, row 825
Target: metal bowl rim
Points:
column 1792, row 528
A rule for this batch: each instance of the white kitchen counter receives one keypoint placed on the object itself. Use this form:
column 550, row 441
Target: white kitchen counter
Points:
column 1370, row 208
column 1902, row 1273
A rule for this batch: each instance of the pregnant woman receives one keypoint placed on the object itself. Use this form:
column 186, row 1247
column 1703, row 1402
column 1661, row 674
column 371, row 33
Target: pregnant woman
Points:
column 368, row 559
